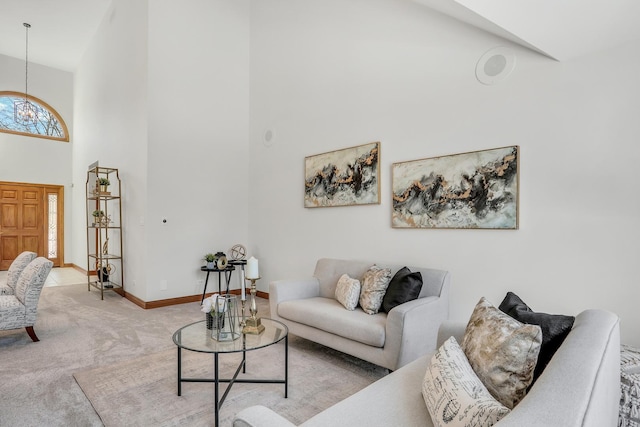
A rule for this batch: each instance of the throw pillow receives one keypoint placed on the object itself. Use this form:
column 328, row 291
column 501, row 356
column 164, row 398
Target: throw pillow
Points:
column 348, row 292
column 555, row 327
column 374, row 285
column 502, row 351
column 454, row 394
column 405, row 286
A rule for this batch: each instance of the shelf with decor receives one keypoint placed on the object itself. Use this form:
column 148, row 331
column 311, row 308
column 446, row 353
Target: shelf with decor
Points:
column 104, row 230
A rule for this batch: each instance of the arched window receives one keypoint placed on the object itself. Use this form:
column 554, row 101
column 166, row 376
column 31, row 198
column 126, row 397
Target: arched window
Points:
column 49, row 124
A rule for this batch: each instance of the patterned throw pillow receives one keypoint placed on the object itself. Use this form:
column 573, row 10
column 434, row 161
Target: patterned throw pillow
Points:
column 348, row 292
column 454, row 395
column 374, row 286
column 502, row 351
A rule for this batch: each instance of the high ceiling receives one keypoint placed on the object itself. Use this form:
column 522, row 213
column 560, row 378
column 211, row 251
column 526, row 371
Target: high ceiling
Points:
column 560, row 29
column 60, row 29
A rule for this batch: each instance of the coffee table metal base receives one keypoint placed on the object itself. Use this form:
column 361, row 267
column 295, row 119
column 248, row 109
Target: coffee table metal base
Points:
column 217, row 380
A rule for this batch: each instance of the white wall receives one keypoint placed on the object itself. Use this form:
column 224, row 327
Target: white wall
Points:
column 163, row 94
column 330, row 74
column 111, row 127
column 38, row 160
column 198, row 139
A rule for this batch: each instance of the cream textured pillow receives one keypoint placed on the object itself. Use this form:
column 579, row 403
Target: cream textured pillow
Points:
column 502, row 351
column 454, row 395
column 374, row 285
column 348, row 292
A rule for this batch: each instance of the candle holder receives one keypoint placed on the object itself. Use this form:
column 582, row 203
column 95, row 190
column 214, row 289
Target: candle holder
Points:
column 243, row 322
column 253, row 325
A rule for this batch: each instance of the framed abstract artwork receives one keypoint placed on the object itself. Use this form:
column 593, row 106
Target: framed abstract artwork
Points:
column 469, row 190
column 346, row 177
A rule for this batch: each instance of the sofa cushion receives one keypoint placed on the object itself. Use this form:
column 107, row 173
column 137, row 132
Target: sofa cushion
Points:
column 502, row 351
column 555, row 327
column 454, row 394
column 404, row 286
column 348, row 292
column 13, row 312
column 374, row 285
column 328, row 271
column 329, row 315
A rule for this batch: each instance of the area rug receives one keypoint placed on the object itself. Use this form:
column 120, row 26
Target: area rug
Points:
column 143, row 391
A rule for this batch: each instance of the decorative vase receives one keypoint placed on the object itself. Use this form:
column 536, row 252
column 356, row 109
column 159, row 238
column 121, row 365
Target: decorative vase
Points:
column 209, row 320
column 103, row 274
column 103, row 188
column 211, row 265
column 226, row 327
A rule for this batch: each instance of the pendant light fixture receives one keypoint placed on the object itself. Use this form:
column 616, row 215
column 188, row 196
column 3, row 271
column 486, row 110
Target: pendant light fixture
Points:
column 24, row 112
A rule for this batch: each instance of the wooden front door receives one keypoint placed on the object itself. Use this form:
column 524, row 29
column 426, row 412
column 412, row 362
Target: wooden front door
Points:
column 28, row 214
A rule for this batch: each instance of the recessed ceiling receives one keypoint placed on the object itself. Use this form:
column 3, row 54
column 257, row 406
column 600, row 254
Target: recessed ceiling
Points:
column 60, row 29
column 560, row 29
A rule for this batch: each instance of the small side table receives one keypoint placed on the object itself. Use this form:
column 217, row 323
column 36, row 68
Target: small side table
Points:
column 227, row 276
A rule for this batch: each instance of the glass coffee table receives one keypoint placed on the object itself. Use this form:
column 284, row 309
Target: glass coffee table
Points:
column 196, row 337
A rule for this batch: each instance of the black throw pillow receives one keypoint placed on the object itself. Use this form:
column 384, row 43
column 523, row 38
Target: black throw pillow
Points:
column 555, row 327
column 404, row 286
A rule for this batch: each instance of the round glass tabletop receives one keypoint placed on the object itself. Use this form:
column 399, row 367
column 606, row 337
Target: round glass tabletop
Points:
column 196, row 337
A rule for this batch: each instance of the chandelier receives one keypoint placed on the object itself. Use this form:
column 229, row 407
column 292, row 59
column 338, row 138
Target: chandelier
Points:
column 24, row 112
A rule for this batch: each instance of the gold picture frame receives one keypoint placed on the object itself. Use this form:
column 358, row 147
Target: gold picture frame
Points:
column 478, row 189
column 346, row 177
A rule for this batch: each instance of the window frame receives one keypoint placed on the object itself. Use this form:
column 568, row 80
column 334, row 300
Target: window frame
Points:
column 8, row 93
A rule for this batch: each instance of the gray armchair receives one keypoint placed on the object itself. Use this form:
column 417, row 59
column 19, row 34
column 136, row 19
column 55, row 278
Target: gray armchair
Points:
column 20, row 310
column 16, row 267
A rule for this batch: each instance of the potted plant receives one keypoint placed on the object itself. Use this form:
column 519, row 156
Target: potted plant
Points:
column 103, row 183
column 210, row 259
column 98, row 216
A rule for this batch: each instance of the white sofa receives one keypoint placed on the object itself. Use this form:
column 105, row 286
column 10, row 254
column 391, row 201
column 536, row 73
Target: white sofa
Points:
column 309, row 309
column 580, row 387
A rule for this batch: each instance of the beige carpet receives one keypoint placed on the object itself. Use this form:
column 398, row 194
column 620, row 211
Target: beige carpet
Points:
column 82, row 334
column 143, row 391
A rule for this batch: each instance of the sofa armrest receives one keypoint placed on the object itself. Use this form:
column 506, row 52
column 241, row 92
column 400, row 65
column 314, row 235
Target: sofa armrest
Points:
column 580, row 387
column 258, row 415
column 291, row 289
column 285, row 290
column 412, row 328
